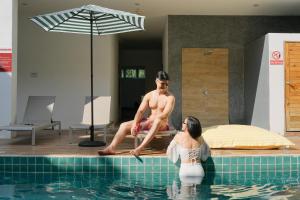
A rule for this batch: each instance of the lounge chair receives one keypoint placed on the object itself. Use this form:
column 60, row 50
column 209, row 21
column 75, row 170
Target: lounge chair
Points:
column 142, row 134
column 38, row 116
column 101, row 116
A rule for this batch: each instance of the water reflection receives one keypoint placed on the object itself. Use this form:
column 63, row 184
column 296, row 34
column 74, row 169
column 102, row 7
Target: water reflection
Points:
column 146, row 186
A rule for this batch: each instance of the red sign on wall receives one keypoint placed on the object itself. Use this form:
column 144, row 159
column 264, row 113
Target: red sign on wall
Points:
column 276, row 58
column 5, row 62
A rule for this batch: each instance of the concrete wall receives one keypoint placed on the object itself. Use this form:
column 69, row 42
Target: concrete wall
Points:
column 59, row 64
column 231, row 32
column 257, row 101
column 8, row 80
column 277, row 81
column 165, row 44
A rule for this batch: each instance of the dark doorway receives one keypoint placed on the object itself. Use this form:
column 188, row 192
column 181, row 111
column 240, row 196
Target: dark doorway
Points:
column 138, row 66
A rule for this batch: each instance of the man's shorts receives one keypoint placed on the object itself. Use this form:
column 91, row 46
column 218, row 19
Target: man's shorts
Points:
column 145, row 125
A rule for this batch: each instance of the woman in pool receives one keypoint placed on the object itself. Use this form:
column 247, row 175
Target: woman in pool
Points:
column 191, row 148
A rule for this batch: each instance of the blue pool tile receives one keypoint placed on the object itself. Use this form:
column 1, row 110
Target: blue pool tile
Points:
column 109, row 169
column 8, row 160
column 2, row 160
column 217, row 160
column 241, row 160
column 70, row 168
column 294, row 159
column 132, row 168
column 264, row 160
column 279, row 167
column 148, row 161
column 16, row 168
column 241, row 168
column 70, row 161
column 101, row 161
column 279, row 160
column 226, row 168
column 54, row 168
column 23, row 168
column 233, row 161
column 39, row 160
column 233, row 168
column 101, row 169
column 249, row 168
column 85, row 161
column 78, row 168
column 164, row 161
column 54, row 160
column 47, row 168
column 16, row 160
column 271, row 160
column 125, row 161
column 256, row 174
column 256, row 168
column 218, row 168
column 226, row 161
column 132, row 161
column 156, row 168
column 31, row 168
column 264, row 168
column 156, row 161
column 249, row 160
column 39, row 168
column 271, row 167
column 78, row 161
column 286, row 160
column 256, row 160
column 93, row 161
column 117, row 161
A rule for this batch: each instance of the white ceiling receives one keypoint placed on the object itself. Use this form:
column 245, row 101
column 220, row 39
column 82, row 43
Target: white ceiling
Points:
column 157, row 10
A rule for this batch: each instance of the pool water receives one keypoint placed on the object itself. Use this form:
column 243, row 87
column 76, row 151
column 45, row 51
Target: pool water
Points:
column 146, row 186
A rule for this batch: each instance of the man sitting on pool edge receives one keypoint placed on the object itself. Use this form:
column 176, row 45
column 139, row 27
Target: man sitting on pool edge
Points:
column 161, row 103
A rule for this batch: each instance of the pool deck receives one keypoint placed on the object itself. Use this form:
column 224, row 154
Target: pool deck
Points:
column 51, row 143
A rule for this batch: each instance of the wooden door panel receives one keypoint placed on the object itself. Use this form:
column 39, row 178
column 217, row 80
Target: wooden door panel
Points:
column 292, row 86
column 205, row 85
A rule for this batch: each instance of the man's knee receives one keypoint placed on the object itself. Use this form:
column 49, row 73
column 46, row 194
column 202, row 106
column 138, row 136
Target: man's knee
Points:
column 125, row 126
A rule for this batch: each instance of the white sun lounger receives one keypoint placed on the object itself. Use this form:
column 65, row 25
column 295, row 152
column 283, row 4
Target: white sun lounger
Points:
column 38, row 116
column 101, row 116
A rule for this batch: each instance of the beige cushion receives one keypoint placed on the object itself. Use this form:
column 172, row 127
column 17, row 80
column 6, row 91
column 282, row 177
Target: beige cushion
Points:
column 243, row 137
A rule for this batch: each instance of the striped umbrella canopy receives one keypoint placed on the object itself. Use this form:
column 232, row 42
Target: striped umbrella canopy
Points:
column 92, row 20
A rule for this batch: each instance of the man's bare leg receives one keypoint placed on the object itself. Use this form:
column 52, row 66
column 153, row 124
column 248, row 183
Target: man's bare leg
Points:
column 124, row 129
column 153, row 130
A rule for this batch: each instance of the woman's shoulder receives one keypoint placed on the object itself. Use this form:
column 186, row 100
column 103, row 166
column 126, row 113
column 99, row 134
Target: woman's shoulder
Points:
column 178, row 136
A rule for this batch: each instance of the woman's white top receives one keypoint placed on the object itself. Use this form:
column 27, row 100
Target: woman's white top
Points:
column 195, row 155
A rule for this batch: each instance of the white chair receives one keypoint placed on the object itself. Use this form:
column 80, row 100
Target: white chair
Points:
column 38, row 116
column 101, row 116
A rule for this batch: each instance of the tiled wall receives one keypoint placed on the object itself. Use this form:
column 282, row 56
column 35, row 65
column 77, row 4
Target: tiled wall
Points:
column 253, row 165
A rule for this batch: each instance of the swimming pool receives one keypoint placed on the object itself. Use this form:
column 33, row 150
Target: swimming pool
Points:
column 37, row 177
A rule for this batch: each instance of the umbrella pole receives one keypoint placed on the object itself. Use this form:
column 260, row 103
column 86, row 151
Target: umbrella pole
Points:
column 92, row 142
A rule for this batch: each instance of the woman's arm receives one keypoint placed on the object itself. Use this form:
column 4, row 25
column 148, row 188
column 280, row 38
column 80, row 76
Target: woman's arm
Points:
column 172, row 152
column 205, row 151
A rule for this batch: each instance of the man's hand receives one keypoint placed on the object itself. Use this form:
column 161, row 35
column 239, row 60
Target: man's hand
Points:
column 133, row 130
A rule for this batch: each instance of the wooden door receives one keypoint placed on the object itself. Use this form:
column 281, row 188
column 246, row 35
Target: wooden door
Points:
column 205, row 85
column 292, row 86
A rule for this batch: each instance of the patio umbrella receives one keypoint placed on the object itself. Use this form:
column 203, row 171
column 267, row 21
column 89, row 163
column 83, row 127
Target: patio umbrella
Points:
column 92, row 20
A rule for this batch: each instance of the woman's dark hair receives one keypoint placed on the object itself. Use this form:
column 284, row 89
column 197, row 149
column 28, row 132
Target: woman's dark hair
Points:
column 162, row 75
column 193, row 126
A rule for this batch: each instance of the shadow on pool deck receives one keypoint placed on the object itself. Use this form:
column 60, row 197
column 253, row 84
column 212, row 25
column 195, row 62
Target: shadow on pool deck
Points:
column 50, row 143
